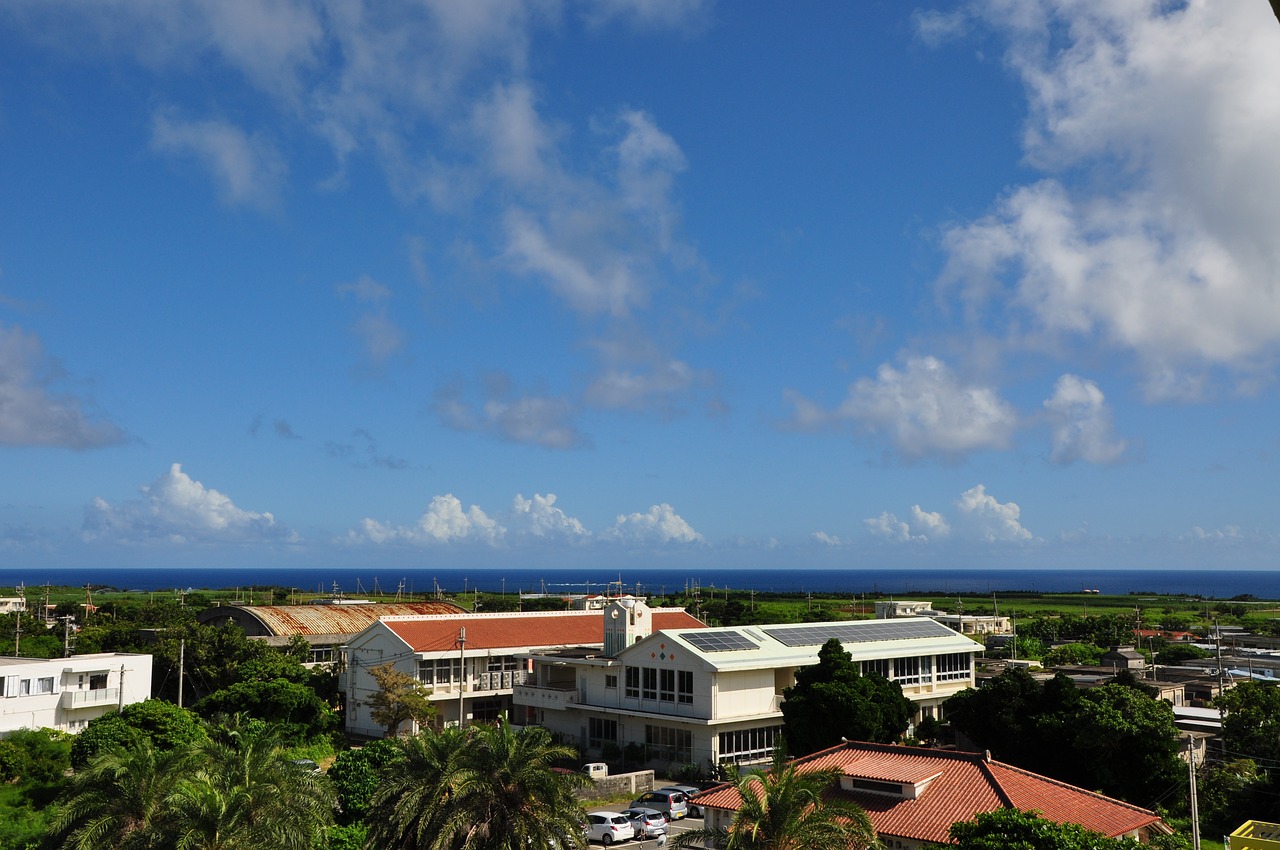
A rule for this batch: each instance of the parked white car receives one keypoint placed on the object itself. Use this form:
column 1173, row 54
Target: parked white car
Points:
column 609, row 827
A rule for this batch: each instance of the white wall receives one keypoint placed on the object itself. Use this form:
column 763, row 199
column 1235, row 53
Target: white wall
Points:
column 66, row 693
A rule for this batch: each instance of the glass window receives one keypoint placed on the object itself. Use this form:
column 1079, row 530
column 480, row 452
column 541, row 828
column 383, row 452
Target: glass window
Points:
column 953, row 667
column 906, row 671
column 748, row 744
column 665, row 743
column 876, row 665
column 633, row 682
column 684, row 688
column 97, row 681
column 601, row 730
column 667, row 685
column 44, row 685
column 611, row 681
column 650, row 689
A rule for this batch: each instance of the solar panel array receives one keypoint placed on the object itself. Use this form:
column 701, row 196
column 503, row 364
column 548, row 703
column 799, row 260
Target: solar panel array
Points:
column 857, row 632
column 718, row 641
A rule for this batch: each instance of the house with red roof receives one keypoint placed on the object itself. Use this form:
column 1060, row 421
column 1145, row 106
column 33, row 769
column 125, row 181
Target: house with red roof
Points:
column 913, row 795
column 471, row 662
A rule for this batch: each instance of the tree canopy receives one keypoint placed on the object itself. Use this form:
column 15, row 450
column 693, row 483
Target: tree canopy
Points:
column 832, row 700
column 399, row 699
column 1010, row 829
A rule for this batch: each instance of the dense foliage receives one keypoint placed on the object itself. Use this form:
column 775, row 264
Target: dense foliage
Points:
column 1073, row 735
column 832, row 700
column 1010, row 829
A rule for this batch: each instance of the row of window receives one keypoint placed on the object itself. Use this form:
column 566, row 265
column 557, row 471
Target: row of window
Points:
column 747, row 744
column 12, row 686
column 657, row 683
column 443, row 671
column 922, row 669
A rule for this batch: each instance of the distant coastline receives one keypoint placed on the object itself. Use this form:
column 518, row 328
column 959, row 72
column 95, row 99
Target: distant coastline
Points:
column 1207, row 583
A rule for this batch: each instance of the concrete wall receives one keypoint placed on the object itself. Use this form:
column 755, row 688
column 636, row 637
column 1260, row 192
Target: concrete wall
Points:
column 623, row 783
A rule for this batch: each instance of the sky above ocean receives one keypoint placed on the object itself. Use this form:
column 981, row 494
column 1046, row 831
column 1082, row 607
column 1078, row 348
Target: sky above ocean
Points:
column 622, row 284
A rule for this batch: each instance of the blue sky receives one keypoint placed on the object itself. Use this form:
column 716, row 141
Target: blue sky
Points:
column 609, row 284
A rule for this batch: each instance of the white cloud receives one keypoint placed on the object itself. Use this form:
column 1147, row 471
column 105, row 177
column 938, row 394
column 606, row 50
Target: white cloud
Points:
column 379, row 335
column 540, row 517
column 247, row 170
column 989, row 519
column 1154, row 232
column 644, row 14
column 936, row 28
column 538, row 420
column 923, row 526
column 31, row 414
column 660, row 524
column 444, row 522
column 923, row 408
column 1081, row 421
column 828, row 539
column 177, row 509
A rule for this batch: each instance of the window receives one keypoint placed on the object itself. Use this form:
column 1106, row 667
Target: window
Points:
column 667, row 685
column 97, row 681
column 611, row 681
column 665, row 743
column 953, row 667
column 906, row 671
column 44, row 685
column 24, row 688
column 748, row 744
column 501, row 663
column 650, row 689
column 321, row 654
column 684, row 689
column 876, row 665
column 633, row 682
column 601, row 730
column 439, row 671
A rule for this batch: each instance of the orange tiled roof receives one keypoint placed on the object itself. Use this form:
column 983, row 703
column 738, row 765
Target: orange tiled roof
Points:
column 516, row 631
column 966, row 785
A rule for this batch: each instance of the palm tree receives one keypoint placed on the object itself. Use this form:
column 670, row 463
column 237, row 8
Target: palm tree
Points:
column 785, row 809
column 479, row 788
column 120, row 799
column 248, row 794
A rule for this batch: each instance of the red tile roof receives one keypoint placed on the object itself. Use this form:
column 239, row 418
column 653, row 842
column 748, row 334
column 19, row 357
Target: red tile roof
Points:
column 515, row 631
column 967, row 784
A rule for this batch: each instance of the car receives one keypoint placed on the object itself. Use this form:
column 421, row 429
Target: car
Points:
column 688, row 791
column 609, row 827
column 665, row 800
column 648, row 823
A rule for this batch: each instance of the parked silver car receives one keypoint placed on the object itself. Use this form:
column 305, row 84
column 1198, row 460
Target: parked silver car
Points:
column 648, row 823
column 666, row 800
column 688, row 791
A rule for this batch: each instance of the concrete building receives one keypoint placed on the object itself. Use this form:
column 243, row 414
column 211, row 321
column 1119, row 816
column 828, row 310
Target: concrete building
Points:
column 325, row 626
column 965, row 624
column 471, row 662
column 66, row 693
column 712, row 696
column 12, row 604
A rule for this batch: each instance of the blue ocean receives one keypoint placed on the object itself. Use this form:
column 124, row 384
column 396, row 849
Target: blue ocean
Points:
column 1207, row 583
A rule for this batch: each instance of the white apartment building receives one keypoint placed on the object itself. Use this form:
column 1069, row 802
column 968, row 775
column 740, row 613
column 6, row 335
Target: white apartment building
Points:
column 965, row 624
column 66, row 693
column 713, row 696
column 471, row 662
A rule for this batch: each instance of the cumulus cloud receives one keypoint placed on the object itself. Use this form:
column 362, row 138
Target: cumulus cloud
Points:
column 444, row 522
column 827, row 539
column 660, row 524
column 246, row 169
column 503, row 413
column 1153, row 229
column 923, row 408
column 177, row 509
column 539, row 517
column 31, row 412
column 922, row 527
column 1081, row 421
column 989, row 519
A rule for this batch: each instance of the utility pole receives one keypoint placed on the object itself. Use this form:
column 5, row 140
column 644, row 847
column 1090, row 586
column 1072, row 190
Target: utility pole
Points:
column 182, row 662
column 120, row 694
column 462, row 675
column 1195, row 812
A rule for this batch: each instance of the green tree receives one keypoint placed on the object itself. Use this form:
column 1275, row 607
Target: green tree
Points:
column 785, row 809
column 1251, row 725
column 832, row 700
column 1176, row 653
column 165, row 724
column 298, row 713
column 480, row 788
column 400, row 698
column 1073, row 653
column 355, row 775
column 1010, row 829
column 34, row 755
column 120, row 800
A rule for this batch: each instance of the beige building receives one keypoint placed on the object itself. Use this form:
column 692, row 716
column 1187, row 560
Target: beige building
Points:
column 66, row 693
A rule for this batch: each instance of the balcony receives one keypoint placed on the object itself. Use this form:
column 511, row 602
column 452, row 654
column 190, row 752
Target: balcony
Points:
column 556, row 699
column 89, row 699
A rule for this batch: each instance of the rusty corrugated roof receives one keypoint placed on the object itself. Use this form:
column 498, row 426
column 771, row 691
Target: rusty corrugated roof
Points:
column 308, row 620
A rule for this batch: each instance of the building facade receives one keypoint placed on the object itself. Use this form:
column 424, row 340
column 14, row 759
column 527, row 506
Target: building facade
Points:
column 471, row 662
column 66, row 693
column 713, row 696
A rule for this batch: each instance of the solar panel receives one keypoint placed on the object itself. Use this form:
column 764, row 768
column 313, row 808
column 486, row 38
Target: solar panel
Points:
column 723, row 641
column 858, row 632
